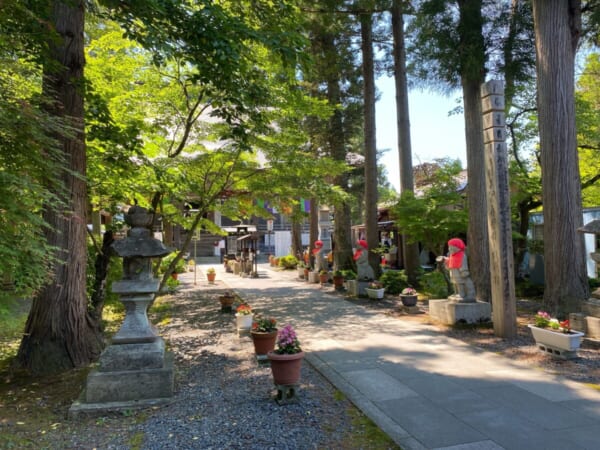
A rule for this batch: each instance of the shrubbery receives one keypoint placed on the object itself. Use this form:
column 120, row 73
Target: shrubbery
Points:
column 288, row 262
column 434, row 284
column 166, row 261
column 393, row 281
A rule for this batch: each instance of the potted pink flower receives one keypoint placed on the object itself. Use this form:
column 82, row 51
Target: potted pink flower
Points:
column 408, row 296
column 286, row 359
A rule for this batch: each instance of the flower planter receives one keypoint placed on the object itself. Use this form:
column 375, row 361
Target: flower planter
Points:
column 375, row 294
column 313, row 277
column 286, row 368
column 306, row 272
column 556, row 343
column 408, row 300
column 264, row 342
column 211, row 277
column 323, row 278
column 244, row 322
column 301, row 272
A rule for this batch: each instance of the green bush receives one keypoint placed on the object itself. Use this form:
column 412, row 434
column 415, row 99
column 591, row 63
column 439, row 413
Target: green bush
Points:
column 172, row 284
column 394, row 281
column 434, row 284
column 524, row 288
column 349, row 274
column 288, row 262
column 166, row 261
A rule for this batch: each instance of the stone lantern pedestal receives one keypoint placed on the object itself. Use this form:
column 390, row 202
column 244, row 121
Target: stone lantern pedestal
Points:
column 134, row 371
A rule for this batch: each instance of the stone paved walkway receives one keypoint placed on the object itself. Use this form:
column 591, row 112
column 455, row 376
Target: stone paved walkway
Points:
column 426, row 391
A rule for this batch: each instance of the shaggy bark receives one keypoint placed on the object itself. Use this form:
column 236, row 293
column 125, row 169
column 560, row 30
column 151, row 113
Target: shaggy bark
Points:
column 371, row 195
column 410, row 252
column 557, row 27
column 60, row 333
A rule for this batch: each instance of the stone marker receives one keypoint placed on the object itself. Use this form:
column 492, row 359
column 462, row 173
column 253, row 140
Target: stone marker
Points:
column 503, row 299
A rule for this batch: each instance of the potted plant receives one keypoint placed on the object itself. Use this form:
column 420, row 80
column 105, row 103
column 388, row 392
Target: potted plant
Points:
column 264, row 335
column 375, row 290
column 166, row 262
column 226, row 301
column 338, row 279
column 408, row 296
column 286, row 359
column 243, row 317
column 211, row 275
column 323, row 276
column 555, row 337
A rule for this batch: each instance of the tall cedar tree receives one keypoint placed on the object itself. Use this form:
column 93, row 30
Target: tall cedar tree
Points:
column 557, row 30
column 450, row 49
column 371, row 198
column 60, row 333
column 410, row 251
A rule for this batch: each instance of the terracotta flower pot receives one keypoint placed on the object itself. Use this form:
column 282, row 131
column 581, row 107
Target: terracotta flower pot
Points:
column 286, row 368
column 226, row 302
column 338, row 281
column 323, row 278
column 264, row 342
column 211, row 277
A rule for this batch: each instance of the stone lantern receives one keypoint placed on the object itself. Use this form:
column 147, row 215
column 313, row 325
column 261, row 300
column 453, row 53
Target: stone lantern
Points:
column 134, row 371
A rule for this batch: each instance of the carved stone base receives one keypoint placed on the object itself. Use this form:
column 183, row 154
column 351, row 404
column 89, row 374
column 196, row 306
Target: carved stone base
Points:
column 125, row 389
column 130, row 385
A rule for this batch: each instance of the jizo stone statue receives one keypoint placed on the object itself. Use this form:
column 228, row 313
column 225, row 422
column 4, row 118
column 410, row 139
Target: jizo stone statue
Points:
column 458, row 267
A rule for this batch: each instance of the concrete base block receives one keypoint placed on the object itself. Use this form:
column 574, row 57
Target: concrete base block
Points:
column 592, row 327
column 591, row 307
column 362, row 288
column 130, row 385
column 587, row 324
column 451, row 313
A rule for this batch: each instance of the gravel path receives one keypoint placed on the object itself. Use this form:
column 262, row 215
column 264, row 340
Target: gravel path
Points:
column 224, row 399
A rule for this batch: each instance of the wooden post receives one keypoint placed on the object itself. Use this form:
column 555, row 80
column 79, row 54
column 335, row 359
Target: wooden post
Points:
column 498, row 211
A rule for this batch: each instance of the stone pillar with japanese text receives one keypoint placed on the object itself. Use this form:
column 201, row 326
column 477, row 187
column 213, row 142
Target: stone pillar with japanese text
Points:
column 498, row 211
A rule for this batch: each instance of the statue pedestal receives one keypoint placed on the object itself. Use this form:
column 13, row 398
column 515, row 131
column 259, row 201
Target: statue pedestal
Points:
column 450, row 312
column 588, row 320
